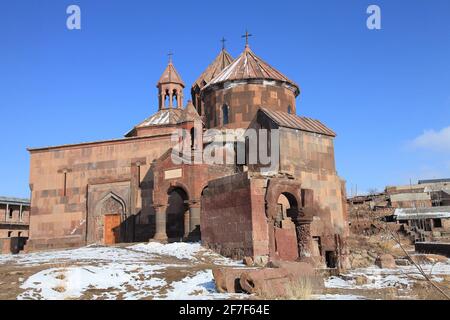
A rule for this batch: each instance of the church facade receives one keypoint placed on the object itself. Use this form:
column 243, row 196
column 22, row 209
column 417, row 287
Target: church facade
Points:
column 141, row 188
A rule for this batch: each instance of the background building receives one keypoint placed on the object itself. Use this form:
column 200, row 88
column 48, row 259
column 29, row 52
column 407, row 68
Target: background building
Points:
column 14, row 223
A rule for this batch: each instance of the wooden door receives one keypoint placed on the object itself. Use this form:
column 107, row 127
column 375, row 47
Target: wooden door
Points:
column 111, row 231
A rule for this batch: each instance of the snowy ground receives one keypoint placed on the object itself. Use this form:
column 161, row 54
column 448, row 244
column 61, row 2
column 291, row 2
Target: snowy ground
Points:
column 140, row 271
column 181, row 271
column 404, row 282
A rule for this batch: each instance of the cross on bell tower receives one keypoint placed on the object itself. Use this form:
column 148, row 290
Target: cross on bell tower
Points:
column 223, row 40
column 246, row 36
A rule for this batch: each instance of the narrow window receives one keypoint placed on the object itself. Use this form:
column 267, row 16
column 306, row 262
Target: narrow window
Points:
column 11, row 211
column 289, row 109
column 199, row 106
column 9, row 234
column 192, row 138
column 247, row 150
column 139, row 175
column 65, row 184
column 19, row 234
column 225, row 114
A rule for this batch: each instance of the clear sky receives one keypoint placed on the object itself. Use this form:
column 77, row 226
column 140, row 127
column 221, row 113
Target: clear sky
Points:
column 385, row 92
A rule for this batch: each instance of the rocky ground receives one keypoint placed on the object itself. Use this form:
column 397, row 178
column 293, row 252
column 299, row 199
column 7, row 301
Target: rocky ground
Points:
column 399, row 278
column 184, row 271
column 401, row 282
column 140, row 271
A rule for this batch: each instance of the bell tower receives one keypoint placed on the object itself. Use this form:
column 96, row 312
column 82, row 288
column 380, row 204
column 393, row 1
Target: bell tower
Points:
column 170, row 88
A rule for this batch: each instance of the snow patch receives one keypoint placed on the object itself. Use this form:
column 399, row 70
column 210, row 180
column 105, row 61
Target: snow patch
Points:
column 182, row 250
column 376, row 278
column 198, row 287
column 90, row 253
column 132, row 281
column 337, row 297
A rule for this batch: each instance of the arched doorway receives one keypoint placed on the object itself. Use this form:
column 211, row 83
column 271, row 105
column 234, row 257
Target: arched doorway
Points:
column 287, row 207
column 105, row 223
column 177, row 213
column 112, row 212
column 285, row 227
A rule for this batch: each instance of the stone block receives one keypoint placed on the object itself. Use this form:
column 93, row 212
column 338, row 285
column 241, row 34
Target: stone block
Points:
column 227, row 279
column 385, row 261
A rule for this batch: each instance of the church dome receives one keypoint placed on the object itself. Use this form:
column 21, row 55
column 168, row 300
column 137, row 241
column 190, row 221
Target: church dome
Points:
column 248, row 66
column 223, row 60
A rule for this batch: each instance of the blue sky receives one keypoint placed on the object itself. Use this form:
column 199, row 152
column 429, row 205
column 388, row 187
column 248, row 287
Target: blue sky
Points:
column 385, row 92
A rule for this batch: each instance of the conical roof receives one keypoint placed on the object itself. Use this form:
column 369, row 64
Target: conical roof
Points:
column 170, row 75
column 222, row 60
column 189, row 114
column 249, row 66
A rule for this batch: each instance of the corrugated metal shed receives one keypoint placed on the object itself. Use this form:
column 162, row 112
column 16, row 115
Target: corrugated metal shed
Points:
column 434, row 181
column 422, row 213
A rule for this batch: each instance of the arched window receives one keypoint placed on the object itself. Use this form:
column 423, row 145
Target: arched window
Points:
column 166, row 99
column 289, row 109
column 175, row 98
column 225, row 114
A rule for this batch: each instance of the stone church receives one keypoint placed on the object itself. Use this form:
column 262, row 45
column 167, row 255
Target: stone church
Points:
column 130, row 189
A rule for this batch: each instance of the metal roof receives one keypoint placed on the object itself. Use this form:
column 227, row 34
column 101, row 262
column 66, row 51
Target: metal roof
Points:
column 250, row 66
column 422, row 213
column 223, row 60
column 170, row 75
column 284, row 119
column 434, row 181
column 162, row 117
column 12, row 200
column 189, row 114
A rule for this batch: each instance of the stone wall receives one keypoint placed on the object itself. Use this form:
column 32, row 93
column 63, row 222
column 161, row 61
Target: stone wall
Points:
column 309, row 157
column 13, row 230
column 243, row 101
column 5, row 245
column 12, row 245
column 411, row 204
column 233, row 220
column 61, row 177
column 433, row 247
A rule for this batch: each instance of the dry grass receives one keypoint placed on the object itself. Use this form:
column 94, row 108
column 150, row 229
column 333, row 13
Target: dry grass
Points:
column 59, row 289
column 299, row 289
column 61, row 276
